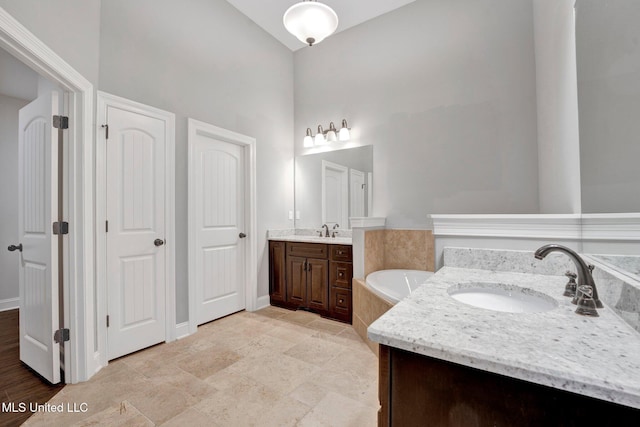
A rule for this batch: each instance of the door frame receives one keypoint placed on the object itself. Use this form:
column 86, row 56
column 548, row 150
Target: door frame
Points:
column 78, row 286
column 103, row 100
column 248, row 143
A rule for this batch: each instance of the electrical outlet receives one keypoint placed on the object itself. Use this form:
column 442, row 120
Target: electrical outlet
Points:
column 290, row 214
column 297, row 214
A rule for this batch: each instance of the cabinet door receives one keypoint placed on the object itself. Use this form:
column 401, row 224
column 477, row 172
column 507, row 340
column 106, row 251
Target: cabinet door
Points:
column 296, row 281
column 318, row 284
column 340, row 274
column 277, row 267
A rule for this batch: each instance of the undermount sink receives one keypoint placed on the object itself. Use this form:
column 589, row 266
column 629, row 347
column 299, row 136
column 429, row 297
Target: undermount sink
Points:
column 502, row 297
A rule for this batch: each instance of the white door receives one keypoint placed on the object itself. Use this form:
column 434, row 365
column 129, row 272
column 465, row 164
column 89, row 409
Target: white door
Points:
column 38, row 208
column 135, row 211
column 217, row 197
column 335, row 194
column 357, row 192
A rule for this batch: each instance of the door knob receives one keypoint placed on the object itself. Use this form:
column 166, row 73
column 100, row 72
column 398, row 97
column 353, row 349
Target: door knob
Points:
column 242, row 235
column 15, row 248
column 158, row 242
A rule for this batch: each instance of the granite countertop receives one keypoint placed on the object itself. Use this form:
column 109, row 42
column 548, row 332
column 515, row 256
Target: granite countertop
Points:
column 597, row 357
column 313, row 239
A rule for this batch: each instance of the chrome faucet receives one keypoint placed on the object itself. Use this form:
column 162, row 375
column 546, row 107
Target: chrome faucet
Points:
column 586, row 284
column 326, row 227
column 334, row 232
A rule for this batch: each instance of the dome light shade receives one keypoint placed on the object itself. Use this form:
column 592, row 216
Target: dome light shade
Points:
column 310, row 21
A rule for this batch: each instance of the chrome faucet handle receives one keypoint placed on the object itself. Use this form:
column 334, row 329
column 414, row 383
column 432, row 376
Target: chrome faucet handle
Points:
column 319, row 233
column 333, row 233
column 586, row 303
column 570, row 288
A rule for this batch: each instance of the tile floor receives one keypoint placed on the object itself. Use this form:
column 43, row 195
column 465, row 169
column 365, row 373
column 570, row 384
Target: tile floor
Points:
column 273, row 367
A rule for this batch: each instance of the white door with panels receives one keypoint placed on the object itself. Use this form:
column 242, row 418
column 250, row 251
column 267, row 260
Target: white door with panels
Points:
column 38, row 247
column 135, row 229
column 335, row 194
column 217, row 192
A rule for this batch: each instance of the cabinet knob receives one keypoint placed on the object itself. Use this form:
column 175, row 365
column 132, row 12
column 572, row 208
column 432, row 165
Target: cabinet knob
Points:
column 341, row 300
column 339, row 252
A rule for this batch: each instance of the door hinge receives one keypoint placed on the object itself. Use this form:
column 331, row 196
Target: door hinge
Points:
column 106, row 131
column 106, row 226
column 61, row 227
column 61, row 122
column 61, row 335
column 107, row 320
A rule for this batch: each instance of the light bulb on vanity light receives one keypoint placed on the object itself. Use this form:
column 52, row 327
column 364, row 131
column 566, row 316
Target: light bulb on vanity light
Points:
column 345, row 133
column 308, row 140
column 331, row 133
column 320, row 136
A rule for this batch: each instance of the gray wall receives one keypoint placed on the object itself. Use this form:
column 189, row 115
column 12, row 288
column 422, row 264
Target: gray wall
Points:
column 9, row 195
column 608, row 56
column 71, row 28
column 205, row 60
column 445, row 91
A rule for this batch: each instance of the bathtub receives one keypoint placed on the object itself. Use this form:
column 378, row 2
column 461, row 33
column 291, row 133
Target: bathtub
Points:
column 395, row 285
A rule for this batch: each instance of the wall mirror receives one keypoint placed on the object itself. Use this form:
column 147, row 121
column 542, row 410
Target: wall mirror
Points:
column 608, row 66
column 332, row 186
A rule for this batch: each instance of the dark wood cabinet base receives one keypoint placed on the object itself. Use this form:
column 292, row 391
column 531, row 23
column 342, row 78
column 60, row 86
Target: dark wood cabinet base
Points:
column 416, row 390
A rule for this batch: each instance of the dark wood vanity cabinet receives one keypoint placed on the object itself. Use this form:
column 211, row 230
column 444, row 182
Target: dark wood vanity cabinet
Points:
column 416, row 390
column 312, row 276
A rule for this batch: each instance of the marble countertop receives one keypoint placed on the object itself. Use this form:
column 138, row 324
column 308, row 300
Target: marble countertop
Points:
column 313, row 239
column 597, row 357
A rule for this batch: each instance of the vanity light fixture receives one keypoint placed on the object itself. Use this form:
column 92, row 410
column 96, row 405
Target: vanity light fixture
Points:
column 324, row 137
column 320, row 136
column 308, row 140
column 310, row 21
column 345, row 132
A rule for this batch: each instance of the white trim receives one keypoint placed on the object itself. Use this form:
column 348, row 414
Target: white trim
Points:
column 262, row 302
column 251, row 249
column 542, row 226
column 79, row 289
column 182, row 330
column 9, row 304
column 104, row 100
column 367, row 222
column 616, row 226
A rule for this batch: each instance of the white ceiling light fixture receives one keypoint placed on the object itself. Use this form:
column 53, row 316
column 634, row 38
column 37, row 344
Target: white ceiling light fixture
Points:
column 310, row 21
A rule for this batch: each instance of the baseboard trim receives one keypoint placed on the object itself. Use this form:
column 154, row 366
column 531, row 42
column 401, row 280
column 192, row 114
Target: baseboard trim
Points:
column 182, row 330
column 262, row 302
column 9, row 304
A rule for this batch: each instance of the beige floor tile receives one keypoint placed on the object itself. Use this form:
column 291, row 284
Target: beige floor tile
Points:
column 242, row 403
column 300, row 317
column 122, row 415
column 316, row 351
column 309, row 393
column 272, row 367
column 161, row 402
column 340, row 411
column 205, row 363
column 191, row 418
column 278, row 371
column 328, row 326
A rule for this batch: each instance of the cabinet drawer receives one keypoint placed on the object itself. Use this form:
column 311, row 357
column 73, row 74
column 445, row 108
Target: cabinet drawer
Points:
column 341, row 253
column 340, row 304
column 310, row 250
column 340, row 274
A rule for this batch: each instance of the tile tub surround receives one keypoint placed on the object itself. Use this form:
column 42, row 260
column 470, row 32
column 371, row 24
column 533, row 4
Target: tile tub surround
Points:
column 367, row 307
column 597, row 357
column 403, row 249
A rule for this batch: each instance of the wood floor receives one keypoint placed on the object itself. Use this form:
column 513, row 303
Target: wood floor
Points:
column 18, row 383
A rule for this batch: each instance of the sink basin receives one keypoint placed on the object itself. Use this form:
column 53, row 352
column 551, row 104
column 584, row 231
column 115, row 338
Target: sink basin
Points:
column 502, row 297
